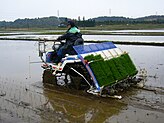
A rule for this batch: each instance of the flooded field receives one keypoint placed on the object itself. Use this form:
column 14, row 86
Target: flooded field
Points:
column 24, row 99
column 128, row 38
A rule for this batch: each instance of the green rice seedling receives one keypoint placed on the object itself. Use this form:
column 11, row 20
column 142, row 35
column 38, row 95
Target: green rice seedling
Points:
column 110, row 71
column 114, row 69
column 120, row 68
column 132, row 68
column 125, row 63
column 89, row 57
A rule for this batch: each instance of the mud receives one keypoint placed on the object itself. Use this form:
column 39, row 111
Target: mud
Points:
column 24, row 99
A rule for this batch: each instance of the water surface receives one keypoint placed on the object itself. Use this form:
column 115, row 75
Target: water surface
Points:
column 23, row 97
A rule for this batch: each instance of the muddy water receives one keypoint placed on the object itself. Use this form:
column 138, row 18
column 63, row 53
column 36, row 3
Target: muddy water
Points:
column 23, row 98
column 147, row 104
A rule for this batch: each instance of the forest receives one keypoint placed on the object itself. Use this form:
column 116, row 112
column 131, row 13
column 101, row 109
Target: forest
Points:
column 53, row 21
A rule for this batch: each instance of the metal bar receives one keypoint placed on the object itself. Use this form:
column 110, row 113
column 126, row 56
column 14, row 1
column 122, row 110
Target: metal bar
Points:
column 90, row 72
column 81, row 76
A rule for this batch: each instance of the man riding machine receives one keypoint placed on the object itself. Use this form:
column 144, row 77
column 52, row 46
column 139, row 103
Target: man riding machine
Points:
column 72, row 38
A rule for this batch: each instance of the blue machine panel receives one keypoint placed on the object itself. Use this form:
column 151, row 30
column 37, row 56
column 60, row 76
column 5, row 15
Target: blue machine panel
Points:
column 82, row 49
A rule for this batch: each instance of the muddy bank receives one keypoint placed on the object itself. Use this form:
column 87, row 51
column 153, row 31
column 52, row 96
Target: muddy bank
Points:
column 85, row 31
column 90, row 41
column 131, row 43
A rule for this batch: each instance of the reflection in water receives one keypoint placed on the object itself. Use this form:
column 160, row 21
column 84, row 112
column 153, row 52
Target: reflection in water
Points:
column 15, row 58
column 81, row 107
column 18, row 101
column 26, row 103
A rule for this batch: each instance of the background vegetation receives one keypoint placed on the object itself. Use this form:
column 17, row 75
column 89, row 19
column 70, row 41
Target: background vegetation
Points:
column 149, row 22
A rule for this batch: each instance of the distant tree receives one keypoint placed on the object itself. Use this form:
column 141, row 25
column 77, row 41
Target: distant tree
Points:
column 51, row 22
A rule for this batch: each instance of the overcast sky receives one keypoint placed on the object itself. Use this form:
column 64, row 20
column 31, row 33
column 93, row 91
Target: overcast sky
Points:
column 11, row 10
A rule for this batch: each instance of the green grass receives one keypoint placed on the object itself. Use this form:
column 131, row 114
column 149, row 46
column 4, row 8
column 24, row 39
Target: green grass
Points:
column 126, row 27
column 85, row 30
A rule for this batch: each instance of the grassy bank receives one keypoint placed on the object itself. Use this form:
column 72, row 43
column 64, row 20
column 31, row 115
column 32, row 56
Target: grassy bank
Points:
column 127, row 27
column 97, row 30
column 99, row 27
column 88, row 32
column 123, row 33
column 131, row 43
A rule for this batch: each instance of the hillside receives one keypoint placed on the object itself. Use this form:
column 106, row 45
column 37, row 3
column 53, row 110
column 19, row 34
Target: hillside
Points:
column 46, row 22
column 107, row 18
column 114, row 18
column 53, row 22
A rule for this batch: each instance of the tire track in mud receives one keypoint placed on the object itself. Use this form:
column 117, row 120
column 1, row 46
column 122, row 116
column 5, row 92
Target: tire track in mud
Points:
column 148, row 98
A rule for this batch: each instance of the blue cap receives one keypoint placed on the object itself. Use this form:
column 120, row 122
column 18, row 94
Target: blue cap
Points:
column 71, row 23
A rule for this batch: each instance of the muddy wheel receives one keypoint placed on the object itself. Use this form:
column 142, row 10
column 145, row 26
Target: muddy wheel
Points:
column 77, row 82
column 62, row 79
column 109, row 91
column 68, row 77
column 48, row 77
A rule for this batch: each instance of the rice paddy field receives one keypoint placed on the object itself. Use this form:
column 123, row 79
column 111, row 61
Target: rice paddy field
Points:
column 24, row 98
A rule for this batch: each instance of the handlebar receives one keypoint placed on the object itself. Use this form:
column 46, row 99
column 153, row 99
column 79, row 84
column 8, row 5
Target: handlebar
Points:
column 47, row 40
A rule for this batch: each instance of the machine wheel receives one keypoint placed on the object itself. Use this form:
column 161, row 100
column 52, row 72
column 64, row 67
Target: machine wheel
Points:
column 68, row 77
column 77, row 81
column 48, row 77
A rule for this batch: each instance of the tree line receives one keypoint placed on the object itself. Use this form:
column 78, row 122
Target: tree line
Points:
column 53, row 22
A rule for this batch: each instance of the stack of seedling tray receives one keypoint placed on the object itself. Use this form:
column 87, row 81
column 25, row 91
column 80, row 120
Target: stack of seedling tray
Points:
column 111, row 71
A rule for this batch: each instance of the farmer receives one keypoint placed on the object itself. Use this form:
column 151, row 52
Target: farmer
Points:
column 73, row 37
